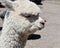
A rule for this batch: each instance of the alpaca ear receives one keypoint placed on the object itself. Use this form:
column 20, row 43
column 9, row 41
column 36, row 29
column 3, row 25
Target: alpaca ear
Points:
column 8, row 5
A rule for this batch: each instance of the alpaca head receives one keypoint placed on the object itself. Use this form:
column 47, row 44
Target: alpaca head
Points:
column 33, row 16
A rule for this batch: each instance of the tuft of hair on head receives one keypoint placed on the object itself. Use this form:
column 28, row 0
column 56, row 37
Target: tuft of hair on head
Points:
column 7, row 4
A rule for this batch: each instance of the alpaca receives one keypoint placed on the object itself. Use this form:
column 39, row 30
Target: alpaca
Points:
column 21, row 19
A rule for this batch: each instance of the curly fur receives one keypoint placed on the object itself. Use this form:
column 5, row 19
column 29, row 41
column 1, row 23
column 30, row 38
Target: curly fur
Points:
column 21, row 20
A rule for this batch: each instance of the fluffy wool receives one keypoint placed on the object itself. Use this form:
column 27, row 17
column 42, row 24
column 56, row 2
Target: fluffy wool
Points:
column 21, row 20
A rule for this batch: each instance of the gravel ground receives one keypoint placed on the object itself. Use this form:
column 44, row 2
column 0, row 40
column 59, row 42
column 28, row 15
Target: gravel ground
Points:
column 49, row 37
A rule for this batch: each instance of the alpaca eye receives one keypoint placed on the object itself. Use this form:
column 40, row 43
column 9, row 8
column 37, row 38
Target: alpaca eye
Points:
column 28, row 16
column 12, row 0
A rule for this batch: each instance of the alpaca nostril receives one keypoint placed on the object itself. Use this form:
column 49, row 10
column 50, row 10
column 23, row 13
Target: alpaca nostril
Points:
column 42, row 23
column 45, row 20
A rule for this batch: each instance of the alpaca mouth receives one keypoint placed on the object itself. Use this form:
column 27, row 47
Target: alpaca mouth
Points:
column 39, row 28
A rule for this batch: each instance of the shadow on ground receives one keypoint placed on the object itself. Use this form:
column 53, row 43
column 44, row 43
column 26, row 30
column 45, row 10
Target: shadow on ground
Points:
column 34, row 37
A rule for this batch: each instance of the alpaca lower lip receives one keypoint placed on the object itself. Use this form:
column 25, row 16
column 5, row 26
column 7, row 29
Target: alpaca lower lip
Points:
column 39, row 28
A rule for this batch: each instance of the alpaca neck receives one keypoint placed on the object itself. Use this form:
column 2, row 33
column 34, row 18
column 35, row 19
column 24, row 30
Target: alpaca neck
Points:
column 12, row 39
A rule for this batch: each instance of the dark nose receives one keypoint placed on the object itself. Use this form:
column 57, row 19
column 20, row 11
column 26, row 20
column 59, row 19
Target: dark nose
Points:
column 43, row 22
